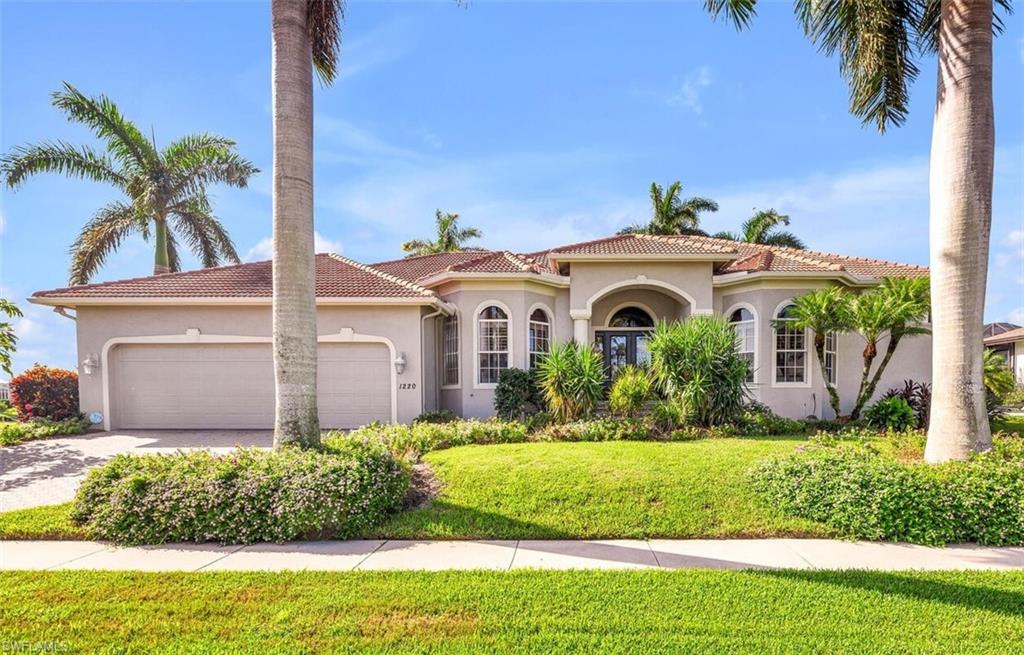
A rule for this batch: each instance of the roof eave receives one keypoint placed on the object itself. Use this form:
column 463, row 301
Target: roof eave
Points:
column 453, row 276
column 155, row 301
column 739, row 277
column 642, row 257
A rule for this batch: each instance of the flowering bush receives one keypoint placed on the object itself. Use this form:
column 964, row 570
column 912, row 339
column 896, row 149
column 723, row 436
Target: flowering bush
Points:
column 247, row 496
column 411, row 441
column 865, row 491
column 45, row 392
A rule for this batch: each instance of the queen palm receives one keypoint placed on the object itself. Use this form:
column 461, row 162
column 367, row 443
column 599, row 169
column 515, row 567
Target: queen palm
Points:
column 672, row 214
column 165, row 189
column 878, row 45
column 762, row 228
column 306, row 34
column 450, row 236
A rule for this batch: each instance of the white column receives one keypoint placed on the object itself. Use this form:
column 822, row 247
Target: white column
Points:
column 580, row 325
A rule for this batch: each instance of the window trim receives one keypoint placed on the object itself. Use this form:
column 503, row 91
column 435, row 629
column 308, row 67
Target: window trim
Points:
column 835, row 357
column 757, row 334
column 529, row 325
column 806, row 384
column 458, row 351
column 477, row 384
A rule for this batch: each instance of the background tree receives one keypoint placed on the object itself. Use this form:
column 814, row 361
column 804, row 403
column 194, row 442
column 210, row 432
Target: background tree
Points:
column 878, row 44
column 762, row 228
column 672, row 214
column 306, row 34
column 450, row 237
column 165, row 190
column 8, row 339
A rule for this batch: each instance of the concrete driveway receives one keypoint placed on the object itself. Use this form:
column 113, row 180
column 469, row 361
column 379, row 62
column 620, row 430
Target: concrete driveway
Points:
column 48, row 471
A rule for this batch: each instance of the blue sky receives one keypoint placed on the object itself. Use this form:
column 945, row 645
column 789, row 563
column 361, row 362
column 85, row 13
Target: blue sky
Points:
column 540, row 123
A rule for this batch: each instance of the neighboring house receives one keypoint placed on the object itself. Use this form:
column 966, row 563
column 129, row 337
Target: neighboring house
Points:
column 5, row 391
column 993, row 329
column 192, row 349
column 1009, row 344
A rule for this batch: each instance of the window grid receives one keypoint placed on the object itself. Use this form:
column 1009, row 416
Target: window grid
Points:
column 539, row 337
column 790, row 352
column 743, row 322
column 450, row 351
column 831, row 356
column 492, row 349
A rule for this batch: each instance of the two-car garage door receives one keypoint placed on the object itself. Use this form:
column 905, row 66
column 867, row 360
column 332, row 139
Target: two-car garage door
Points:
column 178, row 386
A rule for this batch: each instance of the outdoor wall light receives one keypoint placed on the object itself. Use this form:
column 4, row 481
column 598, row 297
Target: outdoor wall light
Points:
column 400, row 363
column 91, row 364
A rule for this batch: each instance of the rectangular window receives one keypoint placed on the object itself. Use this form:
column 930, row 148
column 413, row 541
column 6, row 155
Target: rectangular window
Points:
column 745, row 337
column 492, row 349
column 450, row 351
column 540, row 341
column 831, row 352
column 790, row 355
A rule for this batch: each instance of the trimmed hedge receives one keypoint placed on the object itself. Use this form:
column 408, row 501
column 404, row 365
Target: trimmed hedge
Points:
column 14, row 433
column 247, row 496
column 411, row 441
column 866, row 492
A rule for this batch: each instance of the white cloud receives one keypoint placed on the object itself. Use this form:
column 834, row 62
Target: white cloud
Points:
column 264, row 248
column 1015, row 237
column 340, row 141
column 688, row 95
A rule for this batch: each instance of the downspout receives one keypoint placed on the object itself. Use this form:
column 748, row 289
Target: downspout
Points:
column 442, row 307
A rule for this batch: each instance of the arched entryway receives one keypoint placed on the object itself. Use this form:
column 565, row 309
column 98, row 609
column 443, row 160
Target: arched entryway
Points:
column 623, row 340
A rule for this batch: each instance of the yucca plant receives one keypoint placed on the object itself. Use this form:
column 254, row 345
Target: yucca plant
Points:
column 697, row 363
column 571, row 377
column 630, row 390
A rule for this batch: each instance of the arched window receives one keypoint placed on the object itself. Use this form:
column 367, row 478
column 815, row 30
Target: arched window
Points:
column 492, row 343
column 539, row 336
column 631, row 317
column 450, row 351
column 742, row 321
column 790, row 350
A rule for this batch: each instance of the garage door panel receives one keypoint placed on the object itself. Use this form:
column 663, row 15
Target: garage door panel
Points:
column 232, row 385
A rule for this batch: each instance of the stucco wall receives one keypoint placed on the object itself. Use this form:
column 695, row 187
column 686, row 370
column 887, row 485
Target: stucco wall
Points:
column 97, row 325
column 692, row 278
column 661, row 306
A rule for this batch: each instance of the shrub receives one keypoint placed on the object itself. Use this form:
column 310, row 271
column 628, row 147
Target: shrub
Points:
column 40, row 428
column 571, row 377
column 866, row 493
column 436, row 416
column 411, row 441
column 666, row 416
column 629, row 392
column 12, row 433
column 606, row 429
column 891, row 413
column 1015, row 398
column 45, row 392
column 247, row 496
column 919, row 396
column 517, row 395
column 759, row 419
column 698, row 365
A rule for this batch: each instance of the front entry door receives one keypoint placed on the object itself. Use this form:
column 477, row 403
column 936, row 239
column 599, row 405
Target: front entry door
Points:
column 622, row 348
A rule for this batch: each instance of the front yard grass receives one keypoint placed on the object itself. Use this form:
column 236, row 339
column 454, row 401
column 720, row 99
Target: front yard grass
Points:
column 520, row 611
column 600, row 490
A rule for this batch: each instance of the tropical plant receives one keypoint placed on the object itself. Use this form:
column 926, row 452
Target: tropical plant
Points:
column 306, row 35
column 44, row 392
column 164, row 189
column 571, row 377
column 450, row 236
column 517, row 395
column 631, row 388
column 879, row 44
column 762, row 228
column 891, row 414
column 919, row 396
column 999, row 382
column 698, row 365
column 672, row 214
column 8, row 339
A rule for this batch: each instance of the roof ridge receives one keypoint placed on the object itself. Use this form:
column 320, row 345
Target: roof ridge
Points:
column 409, row 258
column 591, row 242
column 518, row 260
column 792, row 254
column 483, row 255
column 721, row 244
column 139, row 278
column 381, row 274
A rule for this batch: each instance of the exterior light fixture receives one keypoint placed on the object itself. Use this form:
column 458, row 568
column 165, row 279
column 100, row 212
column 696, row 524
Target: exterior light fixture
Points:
column 400, row 363
column 91, row 364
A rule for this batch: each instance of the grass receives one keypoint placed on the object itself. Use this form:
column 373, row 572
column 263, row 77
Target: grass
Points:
column 43, row 522
column 1010, row 424
column 597, row 490
column 522, row 611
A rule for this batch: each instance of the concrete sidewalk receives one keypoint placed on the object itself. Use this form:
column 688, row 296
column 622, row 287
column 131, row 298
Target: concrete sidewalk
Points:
column 365, row 555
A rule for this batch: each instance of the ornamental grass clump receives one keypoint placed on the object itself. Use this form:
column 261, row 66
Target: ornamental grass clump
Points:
column 247, row 496
column 697, row 364
column 571, row 377
column 631, row 388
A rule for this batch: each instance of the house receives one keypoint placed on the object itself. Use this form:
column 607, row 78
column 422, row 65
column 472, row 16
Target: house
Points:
column 397, row 338
column 1009, row 344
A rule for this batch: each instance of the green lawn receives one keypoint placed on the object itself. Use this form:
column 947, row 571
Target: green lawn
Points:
column 521, row 611
column 594, row 490
column 45, row 522
column 1009, row 424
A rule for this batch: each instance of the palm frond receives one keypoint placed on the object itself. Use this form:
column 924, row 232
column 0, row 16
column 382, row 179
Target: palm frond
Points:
column 198, row 160
column 740, row 12
column 928, row 28
column 729, row 236
column 324, row 23
column 785, row 239
column 124, row 141
column 173, row 256
column 101, row 236
column 58, row 157
column 204, row 234
column 418, row 247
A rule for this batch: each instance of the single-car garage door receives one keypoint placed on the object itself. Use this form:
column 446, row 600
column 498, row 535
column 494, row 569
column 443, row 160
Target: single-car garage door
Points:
column 179, row 386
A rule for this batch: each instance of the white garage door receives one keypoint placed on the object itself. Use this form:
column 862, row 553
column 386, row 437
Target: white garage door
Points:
column 232, row 385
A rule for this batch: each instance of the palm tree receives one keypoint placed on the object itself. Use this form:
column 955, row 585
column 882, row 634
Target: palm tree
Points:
column 878, row 43
column 762, row 228
column 672, row 214
column 823, row 311
column 306, row 34
column 165, row 190
column 450, row 236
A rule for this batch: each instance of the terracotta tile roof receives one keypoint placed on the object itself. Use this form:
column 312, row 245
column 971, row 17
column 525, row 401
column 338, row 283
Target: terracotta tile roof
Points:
column 336, row 277
column 419, row 267
column 757, row 258
column 1005, row 337
column 646, row 244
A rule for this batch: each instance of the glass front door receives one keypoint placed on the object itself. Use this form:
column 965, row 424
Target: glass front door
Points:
column 621, row 348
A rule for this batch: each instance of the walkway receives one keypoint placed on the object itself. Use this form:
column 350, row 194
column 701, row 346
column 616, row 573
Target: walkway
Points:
column 365, row 555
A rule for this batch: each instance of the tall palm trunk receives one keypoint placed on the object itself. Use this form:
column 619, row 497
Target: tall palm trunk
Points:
column 161, row 260
column 963, row 138
column 294, row 312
